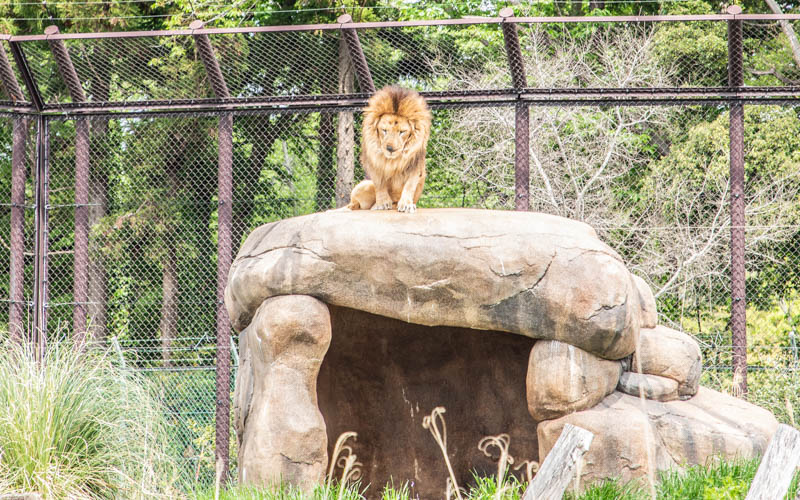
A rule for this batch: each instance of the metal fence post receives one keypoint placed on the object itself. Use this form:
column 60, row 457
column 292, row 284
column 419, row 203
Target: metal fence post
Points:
column 521, row 112
column 40, row 291
column 224, row 253
column 357, row 54
column 738, row 296
column 16, row 237
column 80, row 268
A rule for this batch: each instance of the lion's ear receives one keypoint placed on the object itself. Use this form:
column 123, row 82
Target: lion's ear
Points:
column 420, row 128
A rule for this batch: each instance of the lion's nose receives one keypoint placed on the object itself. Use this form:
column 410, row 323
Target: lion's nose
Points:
column 390, row 149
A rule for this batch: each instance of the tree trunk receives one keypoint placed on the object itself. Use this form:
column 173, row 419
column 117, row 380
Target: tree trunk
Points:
column 98, row 202
column 168, row 326
column 261, row 138
column 169, row 303
column 325, row 173
column 98, row 206
column 345, row 148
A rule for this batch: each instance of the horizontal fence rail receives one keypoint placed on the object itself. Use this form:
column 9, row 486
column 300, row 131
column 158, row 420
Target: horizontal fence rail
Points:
column 130, row 57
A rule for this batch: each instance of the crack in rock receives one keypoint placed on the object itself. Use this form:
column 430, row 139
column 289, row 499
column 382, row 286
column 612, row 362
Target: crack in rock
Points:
column 300, row 462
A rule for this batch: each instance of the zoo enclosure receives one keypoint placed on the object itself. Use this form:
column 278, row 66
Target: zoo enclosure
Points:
column 136, row 163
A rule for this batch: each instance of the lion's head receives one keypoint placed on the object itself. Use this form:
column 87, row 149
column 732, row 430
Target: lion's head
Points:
column 397, row 123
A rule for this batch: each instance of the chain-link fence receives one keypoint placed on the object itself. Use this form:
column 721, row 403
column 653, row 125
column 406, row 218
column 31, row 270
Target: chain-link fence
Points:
column 123, row 184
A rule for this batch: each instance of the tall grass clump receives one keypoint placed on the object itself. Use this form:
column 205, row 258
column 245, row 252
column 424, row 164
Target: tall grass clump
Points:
column 77, row 425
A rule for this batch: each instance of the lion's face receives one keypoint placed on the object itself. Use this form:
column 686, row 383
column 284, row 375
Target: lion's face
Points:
column 394, row 134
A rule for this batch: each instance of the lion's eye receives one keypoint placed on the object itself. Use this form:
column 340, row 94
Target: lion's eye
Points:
column 384, row 131
column 403, row 132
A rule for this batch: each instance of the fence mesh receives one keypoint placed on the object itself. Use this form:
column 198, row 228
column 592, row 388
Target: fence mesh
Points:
column 651, row 175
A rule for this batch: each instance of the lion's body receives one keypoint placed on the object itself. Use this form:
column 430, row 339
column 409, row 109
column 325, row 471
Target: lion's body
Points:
column 394, row 139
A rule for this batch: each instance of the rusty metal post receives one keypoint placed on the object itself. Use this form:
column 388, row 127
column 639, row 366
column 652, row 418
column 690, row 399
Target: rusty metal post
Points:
column 40, row 289
column 8, row 80
column 81, row 255
column 27, row 76
column 16, row 315
column 522, row 157
column 224, row 253
column 65, row 66
column 522, row 113
column 224, row 259
column 513, row 50
column 209, row 58
column 356, row 54
column 738, row 293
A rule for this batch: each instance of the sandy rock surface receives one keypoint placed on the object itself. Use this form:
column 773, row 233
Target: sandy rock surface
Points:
column 678, row 432
column 649, row 315
column 536, row 275
column 282, row 432
column 563, row 379
column 669, row 353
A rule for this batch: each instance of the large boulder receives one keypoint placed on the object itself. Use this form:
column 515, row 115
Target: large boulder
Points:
column 677, row 433
column 532, row 274
column 563, row 378
column 649, row 315
column 672, row 354
column 282, row 435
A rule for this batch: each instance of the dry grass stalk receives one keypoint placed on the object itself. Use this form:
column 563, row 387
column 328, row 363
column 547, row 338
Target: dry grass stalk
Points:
column 531, row 468
column 430, row 422
column 344, row 458
column 449, row 489
column 501, row 442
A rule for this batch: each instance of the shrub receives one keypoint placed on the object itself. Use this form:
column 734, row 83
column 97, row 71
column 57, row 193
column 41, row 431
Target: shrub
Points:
column 77, row 425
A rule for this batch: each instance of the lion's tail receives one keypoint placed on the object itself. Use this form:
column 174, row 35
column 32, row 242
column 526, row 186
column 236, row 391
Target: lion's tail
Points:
column 363, row 196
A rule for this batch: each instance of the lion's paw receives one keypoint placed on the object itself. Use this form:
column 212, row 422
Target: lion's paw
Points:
column 408, row 208
column 382, row 206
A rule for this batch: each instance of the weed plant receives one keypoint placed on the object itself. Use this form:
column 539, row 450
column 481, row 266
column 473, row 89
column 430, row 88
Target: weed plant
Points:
column 77, row 425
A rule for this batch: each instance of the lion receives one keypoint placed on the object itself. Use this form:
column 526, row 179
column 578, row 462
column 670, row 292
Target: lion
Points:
column 394, row 138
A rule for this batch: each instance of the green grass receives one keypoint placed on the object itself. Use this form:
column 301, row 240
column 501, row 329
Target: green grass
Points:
column 77, row 425
column 723, row 480
column 288, row 492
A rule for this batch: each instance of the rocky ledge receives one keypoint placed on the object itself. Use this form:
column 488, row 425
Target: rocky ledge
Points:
column 532, row 274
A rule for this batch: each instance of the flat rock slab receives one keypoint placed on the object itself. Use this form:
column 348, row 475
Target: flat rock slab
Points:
column 537, row 275
column 651, row 386
column 679, row 433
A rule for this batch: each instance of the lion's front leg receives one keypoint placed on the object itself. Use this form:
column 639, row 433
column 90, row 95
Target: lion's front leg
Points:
column 411, row 192
column 383, row 201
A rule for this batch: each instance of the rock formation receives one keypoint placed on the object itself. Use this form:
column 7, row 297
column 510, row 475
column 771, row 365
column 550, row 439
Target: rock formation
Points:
column 515, row 322
column 283, row 433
